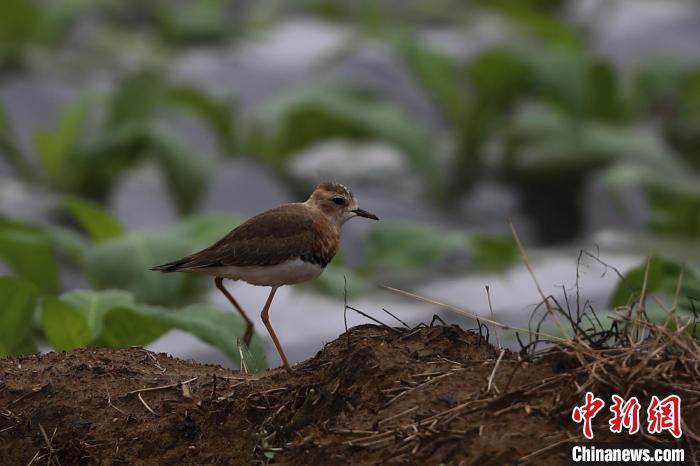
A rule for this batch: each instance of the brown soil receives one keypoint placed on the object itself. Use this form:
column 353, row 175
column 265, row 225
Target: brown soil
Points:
column 374, row 396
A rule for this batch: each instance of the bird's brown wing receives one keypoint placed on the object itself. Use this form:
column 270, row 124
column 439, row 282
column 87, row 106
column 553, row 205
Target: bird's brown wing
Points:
column 270, row 238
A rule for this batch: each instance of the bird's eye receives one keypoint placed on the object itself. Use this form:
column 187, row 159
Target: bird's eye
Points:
column 338, row 200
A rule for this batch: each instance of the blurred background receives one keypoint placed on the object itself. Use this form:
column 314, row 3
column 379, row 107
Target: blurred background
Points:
column 134, row 132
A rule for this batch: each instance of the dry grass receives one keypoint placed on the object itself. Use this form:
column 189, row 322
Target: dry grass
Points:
column 626, row 354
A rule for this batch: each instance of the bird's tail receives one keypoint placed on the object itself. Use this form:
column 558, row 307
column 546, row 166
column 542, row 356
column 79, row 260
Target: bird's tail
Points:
column 169, row 267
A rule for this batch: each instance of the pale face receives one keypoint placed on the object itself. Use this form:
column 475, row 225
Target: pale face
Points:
column 337, row 203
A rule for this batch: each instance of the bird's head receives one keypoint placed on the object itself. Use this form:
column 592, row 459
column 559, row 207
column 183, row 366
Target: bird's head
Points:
column 337, row 202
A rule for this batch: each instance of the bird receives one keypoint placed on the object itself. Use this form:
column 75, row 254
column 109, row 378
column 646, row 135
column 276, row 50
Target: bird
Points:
column 289, row 244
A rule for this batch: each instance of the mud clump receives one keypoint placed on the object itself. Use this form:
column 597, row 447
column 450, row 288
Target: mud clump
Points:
column 375, row 395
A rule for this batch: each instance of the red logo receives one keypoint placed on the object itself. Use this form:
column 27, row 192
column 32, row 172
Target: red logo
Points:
column 665, row 415
column 661, row 415
column 625, row 414
column 587, row 412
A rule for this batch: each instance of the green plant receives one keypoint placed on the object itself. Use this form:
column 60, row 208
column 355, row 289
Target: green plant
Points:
column 302, row 117
column 109, row 318
column 405, row 249
column 29, row 23
column 110, row 257
column 192, row 22
column 661, row 275
column 86, row 157
column 28, row 251
column 101, row 255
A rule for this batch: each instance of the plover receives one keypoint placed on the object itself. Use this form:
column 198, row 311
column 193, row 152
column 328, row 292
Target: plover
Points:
column 290, row 244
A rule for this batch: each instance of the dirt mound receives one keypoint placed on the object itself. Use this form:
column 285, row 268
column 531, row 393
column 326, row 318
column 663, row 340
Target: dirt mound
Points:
column 375, row 395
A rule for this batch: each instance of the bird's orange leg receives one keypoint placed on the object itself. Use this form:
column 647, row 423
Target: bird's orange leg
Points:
column 266, row 321
column 248, row 323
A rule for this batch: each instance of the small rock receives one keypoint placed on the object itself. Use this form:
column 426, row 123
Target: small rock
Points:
column 187, row 428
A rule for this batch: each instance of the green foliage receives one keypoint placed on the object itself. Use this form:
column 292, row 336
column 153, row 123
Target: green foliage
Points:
column 408, row 248
column 300, row 118
column 496, row 79
column 86, row 156
column 674, row 214
column 17, row 298
column 403, row 247
column 64, row 326
column 657, row 86
column 184, row 171
column 663, row 278
column 124, row 327
column 106, row 267
column 110, row 258
column 19, row 22
column 439, row 75
column 111, row 318
column 195, row 21
column 219, row 329
column 29, row 253
column 580, row 85
column 93, row 219
column 491, row 252
column 123, row 262
column 538, row 17
column 628, row 290
column 214, row 112
column 671, row 92
column 545, row 139
column 204, row 229
column 58, row 147
column 25, row 24
column 9, row 146
column 92, row 305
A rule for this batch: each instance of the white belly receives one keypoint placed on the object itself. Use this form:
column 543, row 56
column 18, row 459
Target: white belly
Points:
column 286, row 273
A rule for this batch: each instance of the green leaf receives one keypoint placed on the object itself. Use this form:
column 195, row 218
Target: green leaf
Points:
column 9, row 146
column 401, row 248
column 498, row 76
column 676, row 214
column 498, row 79
column 543, row 22
column 205, row 229
column 491, row 252
column 184, row 169
column 303, row 117
column 219, row 329
column 29, row 252
column 659, row 83
column 17, row 300
column 405, row 247
column 194, row 21
column 68, row 242
column 545, row 139
column 58, row 148
column 215, row 113
column 94, row 304
column 576, row 83
column 124, row 327
column 439, row 74
column 82, row 318
column 65, row 327
column 137, row 97
column 124, row 263
column 93, row 218
column 19, row 20
column 628, row 290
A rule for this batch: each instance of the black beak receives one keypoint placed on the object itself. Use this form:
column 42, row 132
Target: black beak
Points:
column 364, row 213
